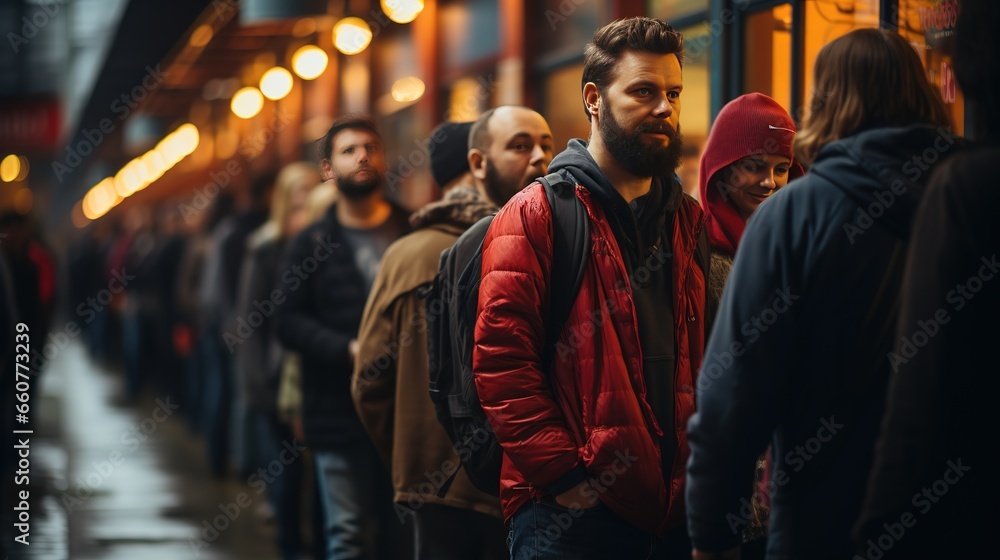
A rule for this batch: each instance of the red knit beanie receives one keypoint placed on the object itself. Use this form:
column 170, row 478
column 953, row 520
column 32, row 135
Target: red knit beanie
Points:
column 750, row 124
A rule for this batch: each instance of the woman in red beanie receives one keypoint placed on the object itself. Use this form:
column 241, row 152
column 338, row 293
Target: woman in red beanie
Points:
column 747, row 158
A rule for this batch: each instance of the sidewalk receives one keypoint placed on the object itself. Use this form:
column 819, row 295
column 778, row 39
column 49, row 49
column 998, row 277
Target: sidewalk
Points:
column 124, row 482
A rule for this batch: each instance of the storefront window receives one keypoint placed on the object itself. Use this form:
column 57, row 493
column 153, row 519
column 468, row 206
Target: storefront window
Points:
column 827, row 20
column 767, row 54
column 695, row 103
column 565, row 28
column 671, row 10
column 928, row 25
column 563, row 107
column 469, row 97
column 471, row 31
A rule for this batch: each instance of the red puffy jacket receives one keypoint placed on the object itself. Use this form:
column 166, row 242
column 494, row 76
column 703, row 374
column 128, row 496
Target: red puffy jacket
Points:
column 594, row 413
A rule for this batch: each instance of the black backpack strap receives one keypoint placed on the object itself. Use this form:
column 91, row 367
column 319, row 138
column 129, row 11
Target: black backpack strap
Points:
column 570, row 247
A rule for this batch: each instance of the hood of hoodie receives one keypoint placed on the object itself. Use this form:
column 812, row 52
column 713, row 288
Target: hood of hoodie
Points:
column 886, row 167
column 460, row 207
column 581, row 165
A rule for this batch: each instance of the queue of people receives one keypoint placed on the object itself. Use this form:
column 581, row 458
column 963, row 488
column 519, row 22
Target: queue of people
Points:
column 737, row 377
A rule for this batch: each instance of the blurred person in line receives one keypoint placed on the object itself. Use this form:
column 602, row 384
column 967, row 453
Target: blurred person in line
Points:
column 940, row 423
column 259, row 356
column 164, row 270
column 108, row 318
column 797, row 356
column 217, row 297
column 747, row 158
column 84, row 278
column 327, row 273
column 289, row 402
column 390, row 386
column 614, row 407
column 132, row 260
column 191, row 339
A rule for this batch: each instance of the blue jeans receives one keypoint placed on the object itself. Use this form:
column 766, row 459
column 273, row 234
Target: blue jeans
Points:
column 547, row 530
column 217, row 401
column 284, row 494
column 347, row 476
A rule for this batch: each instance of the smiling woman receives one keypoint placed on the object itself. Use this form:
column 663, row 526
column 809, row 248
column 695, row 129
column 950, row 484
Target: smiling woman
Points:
column 748, row 156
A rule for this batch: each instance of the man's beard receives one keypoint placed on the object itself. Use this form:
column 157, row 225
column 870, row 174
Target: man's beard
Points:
column 355, row 189
column 630, row 151
column 500, row 189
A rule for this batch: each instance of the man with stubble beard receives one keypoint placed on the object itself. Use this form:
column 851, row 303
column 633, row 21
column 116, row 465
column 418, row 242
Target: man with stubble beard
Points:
column 594, row 440
column 327, row 273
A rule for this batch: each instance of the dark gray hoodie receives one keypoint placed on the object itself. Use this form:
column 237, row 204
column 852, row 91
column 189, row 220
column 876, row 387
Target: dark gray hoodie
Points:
column 782, row 363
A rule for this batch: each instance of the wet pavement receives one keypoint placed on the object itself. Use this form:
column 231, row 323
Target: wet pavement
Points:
column 127, row 481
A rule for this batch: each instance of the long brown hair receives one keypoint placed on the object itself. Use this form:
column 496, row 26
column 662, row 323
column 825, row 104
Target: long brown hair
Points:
column 867, row 78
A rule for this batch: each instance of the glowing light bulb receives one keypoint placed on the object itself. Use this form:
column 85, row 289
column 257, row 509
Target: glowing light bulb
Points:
column 247, row 102
column 351, row 35
column 309, row 62
column 276, row 83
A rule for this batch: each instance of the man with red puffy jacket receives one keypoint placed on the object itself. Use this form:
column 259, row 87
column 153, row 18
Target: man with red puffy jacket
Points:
column 594, row 442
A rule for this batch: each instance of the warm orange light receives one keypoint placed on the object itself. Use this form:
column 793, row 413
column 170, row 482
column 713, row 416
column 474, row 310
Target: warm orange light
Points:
column 276, row 83
column 351, row 35
column 10, row 168
column 201, row 36
column 408, row 89
column 99, row 199
column 402, row 11
column 187, row 138
column 309, row 62
column 303, row 27
column 247, row 102
column 23, row 200
column 79, row 220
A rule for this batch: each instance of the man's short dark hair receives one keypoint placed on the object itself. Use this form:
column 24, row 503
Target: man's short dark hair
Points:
column 344, row 122
column 641, row 34
column 479, row 135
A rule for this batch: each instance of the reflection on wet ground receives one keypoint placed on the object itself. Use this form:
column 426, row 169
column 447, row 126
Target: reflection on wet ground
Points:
column 115, row 481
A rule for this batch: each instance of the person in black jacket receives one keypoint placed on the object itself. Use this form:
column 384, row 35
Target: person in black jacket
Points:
column 797, row 356
column 259, row 356
column 326, row 275
column 934, row 488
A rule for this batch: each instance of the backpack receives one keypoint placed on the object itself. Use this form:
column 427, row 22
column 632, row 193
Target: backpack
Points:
column 451, row 320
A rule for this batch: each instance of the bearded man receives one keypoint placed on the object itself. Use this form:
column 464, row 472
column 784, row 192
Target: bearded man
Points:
column 594, row 437
column 318, row 302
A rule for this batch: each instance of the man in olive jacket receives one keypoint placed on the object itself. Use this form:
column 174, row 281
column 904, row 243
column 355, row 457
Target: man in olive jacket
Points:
column 509, row 147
